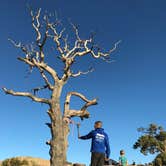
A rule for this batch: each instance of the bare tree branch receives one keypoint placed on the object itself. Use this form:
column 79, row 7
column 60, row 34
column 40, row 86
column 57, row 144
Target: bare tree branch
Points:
column 27, row 61
column 115, row 47
column 76, row 31
column 82, row 113
column 46, row 80
column 37, row 25
column 77, row 113
column 66, row 45
column 80, row 73
column 22, row 47
column 82, row 48
column 26, row 94
column 83, row 44
column 43, row 66
column 57, row 37
column 98, row 54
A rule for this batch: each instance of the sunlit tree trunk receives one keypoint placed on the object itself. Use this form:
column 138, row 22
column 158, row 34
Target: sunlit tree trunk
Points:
column 57, row 146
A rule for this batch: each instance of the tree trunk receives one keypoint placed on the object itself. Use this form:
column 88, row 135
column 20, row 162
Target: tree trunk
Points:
column 59, row 142
column 57, row 151
column 59, row 131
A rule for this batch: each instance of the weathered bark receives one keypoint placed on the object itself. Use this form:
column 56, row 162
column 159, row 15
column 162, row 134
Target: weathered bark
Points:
column 57, row 143
column 57, row 152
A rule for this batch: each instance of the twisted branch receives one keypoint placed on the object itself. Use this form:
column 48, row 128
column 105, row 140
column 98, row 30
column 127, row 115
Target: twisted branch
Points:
column 26, row 94
column 41, row 65
column 49, row 85
column 82, row 113
column 37, row 25
column 82, row 73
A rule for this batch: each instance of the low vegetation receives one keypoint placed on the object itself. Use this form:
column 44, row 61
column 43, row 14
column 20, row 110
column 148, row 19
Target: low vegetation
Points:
column 25, row 161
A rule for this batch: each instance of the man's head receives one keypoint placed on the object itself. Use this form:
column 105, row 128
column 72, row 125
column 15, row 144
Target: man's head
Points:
column 98, row 124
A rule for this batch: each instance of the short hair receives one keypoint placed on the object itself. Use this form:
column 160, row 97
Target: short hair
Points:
column 122, row 152
column 97, row 122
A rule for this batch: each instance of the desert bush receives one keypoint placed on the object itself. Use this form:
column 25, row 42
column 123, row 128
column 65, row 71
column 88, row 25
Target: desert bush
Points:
column 14, row 162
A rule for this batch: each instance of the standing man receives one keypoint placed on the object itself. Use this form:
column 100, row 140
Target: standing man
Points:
column 100, row 148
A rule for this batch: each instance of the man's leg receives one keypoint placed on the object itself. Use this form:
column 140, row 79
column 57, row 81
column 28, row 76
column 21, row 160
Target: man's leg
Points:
column 97, row 159
column 94, row 159
column 101, row 159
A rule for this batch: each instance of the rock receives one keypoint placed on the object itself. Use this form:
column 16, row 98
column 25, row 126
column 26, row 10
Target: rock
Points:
column 78, row 164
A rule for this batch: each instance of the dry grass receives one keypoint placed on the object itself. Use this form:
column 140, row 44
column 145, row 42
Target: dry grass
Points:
column 39, row 161
column 34, row 161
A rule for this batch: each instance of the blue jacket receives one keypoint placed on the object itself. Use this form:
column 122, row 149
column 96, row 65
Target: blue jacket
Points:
column 100, row 141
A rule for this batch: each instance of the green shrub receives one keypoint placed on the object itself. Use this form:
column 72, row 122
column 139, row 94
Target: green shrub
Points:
column 160, row 160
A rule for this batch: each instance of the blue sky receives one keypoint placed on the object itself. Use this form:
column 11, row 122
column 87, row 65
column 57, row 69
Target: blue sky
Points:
column 131, row 90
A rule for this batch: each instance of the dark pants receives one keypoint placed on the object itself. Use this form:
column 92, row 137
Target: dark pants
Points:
column 97, row 159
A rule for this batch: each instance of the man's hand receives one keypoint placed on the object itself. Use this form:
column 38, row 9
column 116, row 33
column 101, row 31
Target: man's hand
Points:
column 106, row 159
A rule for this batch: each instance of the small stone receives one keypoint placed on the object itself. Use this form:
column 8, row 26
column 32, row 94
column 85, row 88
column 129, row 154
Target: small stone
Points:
column 78, row 164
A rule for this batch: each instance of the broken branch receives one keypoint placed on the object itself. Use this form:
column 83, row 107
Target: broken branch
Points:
column 26, row 94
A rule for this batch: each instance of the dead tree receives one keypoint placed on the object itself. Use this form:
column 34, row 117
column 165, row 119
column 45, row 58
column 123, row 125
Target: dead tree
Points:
column 35, row 56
